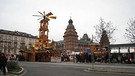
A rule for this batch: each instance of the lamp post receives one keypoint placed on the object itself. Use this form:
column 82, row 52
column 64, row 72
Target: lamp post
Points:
column 92, row 55
column 134, row 54
column 119, row 51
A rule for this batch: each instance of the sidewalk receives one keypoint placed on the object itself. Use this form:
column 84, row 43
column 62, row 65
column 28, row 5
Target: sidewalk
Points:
column 116, row 68
column 109, row 67
column 8, row 74
column 13, row 74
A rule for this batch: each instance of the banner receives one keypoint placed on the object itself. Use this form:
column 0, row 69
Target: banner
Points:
column 92, row 48
column 56, row 58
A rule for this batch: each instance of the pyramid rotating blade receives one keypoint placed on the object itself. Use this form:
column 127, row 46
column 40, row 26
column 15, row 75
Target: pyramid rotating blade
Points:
column 40, row 13
column 48, row 14
column 52, row 17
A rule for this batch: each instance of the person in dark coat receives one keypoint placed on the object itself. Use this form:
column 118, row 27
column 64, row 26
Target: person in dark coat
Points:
column 0, row 63
column 3, row 63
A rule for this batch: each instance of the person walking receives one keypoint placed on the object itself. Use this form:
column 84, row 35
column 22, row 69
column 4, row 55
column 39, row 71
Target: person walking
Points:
column 0, row 62
column 3, row 63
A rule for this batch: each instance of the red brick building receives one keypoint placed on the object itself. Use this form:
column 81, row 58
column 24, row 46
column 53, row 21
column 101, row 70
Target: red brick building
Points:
column 70, row 37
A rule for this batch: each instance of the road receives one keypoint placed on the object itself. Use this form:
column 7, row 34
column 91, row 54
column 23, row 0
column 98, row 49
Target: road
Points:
column 64, row 69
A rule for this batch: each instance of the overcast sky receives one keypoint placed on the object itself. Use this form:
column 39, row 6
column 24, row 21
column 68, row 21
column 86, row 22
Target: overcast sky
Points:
column 17, row 15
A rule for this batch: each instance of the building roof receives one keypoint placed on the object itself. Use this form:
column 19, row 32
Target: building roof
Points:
column 123, row 45
column 85, row 37
column 16, row 33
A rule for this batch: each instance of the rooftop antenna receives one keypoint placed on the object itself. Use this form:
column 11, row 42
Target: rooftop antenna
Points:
column 70, row 15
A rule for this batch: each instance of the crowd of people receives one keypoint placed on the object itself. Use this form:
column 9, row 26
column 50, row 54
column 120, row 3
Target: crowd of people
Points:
column 88, row 58
column 85, row 57
column 121, row 59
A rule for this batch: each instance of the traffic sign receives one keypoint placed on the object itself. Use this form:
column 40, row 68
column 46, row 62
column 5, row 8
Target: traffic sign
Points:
column 88, row 51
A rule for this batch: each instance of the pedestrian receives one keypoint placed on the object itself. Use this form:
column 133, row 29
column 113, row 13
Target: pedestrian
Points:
column 119, row 59
column 3, row 62
column 12, row 58
column 0, row 63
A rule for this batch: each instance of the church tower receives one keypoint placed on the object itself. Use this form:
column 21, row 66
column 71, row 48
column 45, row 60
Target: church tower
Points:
column 70, row 37
column 104, row 41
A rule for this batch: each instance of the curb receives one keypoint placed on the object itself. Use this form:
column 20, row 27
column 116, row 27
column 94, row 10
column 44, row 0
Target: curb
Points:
column 18, row 73
column 114, row 70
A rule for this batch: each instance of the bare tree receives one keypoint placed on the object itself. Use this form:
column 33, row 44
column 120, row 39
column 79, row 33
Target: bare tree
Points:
column 104, row 26
column 130, row 31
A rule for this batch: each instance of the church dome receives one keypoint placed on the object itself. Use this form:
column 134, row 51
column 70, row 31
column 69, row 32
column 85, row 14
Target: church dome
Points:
column 70, row 21
column 70, row 25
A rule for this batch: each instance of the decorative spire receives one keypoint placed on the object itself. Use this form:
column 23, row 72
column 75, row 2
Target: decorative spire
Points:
column 70, row 21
